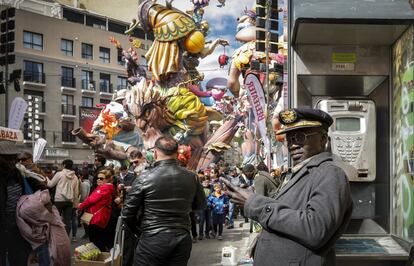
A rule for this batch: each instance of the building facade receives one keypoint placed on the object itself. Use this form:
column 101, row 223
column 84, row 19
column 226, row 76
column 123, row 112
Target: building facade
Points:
column 67, row 63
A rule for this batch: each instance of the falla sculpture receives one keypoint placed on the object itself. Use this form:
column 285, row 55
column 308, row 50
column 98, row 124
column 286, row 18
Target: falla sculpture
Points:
column 161, row 99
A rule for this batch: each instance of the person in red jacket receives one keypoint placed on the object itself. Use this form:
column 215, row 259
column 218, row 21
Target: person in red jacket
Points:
column 99, row 204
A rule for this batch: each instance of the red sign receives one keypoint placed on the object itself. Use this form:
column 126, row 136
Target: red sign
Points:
column 88, row 115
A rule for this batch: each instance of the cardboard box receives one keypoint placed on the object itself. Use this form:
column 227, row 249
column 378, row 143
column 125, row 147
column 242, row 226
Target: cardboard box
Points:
column 100, row 262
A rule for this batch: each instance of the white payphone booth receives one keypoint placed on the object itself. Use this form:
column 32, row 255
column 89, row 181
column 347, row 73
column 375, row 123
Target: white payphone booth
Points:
column 355, row 60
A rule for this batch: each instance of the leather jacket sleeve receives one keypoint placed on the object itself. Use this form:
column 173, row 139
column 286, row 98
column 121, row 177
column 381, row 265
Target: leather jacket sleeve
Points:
column 199, row 202
column 133, row 202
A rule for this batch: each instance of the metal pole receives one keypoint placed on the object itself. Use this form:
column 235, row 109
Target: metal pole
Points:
column 6, row 71
column 33, row 122
column 269, row 160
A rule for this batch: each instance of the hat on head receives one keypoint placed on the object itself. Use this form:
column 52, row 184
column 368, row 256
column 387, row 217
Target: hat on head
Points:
column 119, row 95
column 303, row 117
column 8, row 148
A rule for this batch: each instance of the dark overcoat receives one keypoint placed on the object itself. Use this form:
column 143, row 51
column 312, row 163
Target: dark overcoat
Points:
column 303, row 221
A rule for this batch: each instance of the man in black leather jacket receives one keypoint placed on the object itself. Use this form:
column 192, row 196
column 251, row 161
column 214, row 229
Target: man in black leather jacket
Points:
column 161, row 200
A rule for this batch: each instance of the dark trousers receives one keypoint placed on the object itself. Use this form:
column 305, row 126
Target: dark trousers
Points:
column 98, row 236
column 74, row 222
column 204, row 226
column 65, row 210
column 130, row 243
column 218, row 221
column 13, row 247
column 163, row 249
column 43, row 254
column 193, row 221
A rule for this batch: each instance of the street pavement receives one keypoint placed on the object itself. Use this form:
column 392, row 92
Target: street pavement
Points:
column 206, row 252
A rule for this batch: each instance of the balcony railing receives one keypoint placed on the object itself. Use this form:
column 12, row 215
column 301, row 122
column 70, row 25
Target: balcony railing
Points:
column 36, row 77
column 88, row 85
column 69, row 82
column 68, row 137
column 68, row 109
column 106, row 87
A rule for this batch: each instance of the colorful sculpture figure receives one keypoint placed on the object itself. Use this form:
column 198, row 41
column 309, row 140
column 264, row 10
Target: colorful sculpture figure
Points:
column 240, row 65
column 166, row 104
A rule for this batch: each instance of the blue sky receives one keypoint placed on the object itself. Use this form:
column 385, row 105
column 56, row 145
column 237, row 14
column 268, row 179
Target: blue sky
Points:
column 223, row 22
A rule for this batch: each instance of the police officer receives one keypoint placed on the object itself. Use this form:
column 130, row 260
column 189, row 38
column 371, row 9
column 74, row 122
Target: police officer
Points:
column 313, row 205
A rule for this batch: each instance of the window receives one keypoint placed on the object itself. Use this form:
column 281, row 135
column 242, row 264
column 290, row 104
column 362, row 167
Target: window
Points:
column 119, row 57
column 73, row 16
column 87, row 51
column 87, row 82
column 67, row 77
column 143, row 61
column 104, row 54
column 104, row 101
column 96, row 22
column 117, row 27
column 67, row 105
column 66, row 46
column 122, row 83
column 87, row 102
column 67, row 127
column 32, row 40
column 33, row 72
column 67, row 99
column 104, row 83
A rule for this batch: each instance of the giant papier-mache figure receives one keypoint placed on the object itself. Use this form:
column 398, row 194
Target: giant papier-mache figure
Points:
column 165, row 104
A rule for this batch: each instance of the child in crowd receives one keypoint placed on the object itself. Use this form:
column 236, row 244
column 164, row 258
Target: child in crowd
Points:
column 218, row 201
column 204, row 225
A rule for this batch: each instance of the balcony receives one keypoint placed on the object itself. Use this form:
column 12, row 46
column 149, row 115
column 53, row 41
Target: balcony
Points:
column 68, row 84
column 34, row 79
column 88, row 87
column 68, row 111
column 68, row 138
column 106, row 89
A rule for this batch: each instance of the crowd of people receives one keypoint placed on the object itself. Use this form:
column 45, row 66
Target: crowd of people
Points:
column 72, row 190
column 102, row 191
column 162, row 203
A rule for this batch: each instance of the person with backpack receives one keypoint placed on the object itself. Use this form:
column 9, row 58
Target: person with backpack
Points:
column 67, row 191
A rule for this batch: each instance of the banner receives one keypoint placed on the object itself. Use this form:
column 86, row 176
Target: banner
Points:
column 88, row 115
column 38, row 148
column 17, row 111
column 258, row 101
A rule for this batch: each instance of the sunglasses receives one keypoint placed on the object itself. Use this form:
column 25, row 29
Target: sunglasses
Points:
column 135, row 161
column 299, row 138
column 101, row 178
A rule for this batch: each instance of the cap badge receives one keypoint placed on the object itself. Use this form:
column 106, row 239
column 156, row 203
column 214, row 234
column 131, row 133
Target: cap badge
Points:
column 288, row 116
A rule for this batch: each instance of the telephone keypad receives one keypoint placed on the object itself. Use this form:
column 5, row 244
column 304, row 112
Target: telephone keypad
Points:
column 348, row 147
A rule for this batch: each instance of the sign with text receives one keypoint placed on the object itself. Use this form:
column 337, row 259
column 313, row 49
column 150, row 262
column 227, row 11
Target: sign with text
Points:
column 88, row 115
column 10, row 134
column 257, row 99
column 53, row 152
